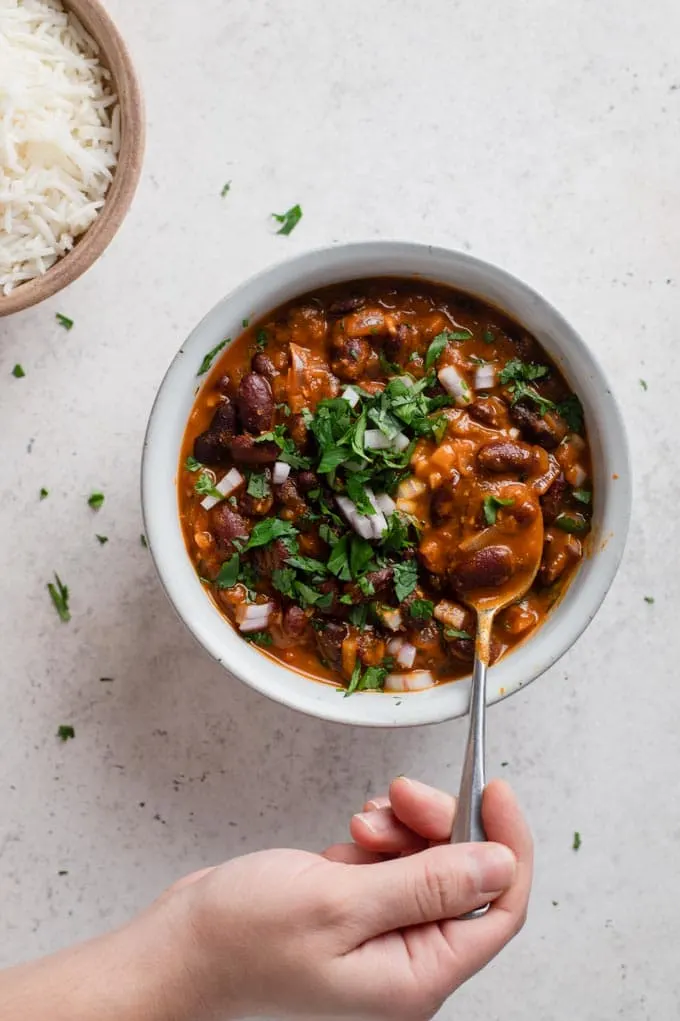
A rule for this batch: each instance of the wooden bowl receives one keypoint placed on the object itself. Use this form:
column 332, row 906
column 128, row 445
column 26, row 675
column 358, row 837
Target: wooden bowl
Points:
column 90, row 245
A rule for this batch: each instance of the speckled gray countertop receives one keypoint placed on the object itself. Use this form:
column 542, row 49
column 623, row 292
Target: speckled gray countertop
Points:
column 541, row 135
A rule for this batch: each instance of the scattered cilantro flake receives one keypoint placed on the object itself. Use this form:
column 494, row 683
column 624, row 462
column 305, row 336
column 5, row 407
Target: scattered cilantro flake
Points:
column 261, row 638
column 192, row 465
column 283, row 580
column 266, row 531
column 492, row 504
column 452, row 632
column 522, row 391
column 405, row 579
column 44, row 493
column 228, row 573
column 64, row 321
column 60, row 596
column 436, row 348
column 421, row 609
column 18, row 371
column 576, row 524
column 649, row 599
column 210, row 356
column 258, row 486
column 102, row 539
column 354, row 680
column 577, row 841
column 582, row 495
column 95, row 500
column 205, row 486
column 245, row 323
column 516, row 370
column 503, row 764
column 338, row 562
column 571, row 410
column 643, row 384
column 288, row 220
column 142, row 540
column 261, row 338
column 488, row 337
column 361, row 554
column 65, row 732
column 555, row 903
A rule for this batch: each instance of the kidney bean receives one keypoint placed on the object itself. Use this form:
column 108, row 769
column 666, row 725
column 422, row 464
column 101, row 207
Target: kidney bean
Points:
column 547, row 430
column 343, row 306
column 307, row 480
column 487, row 568
column 226, row 524
column 212, row 446
column 245, row 450
column 505, row 456
column 552, row 502
column 264, row 366
column 255, row 403
column 560, row 551
column 491, row 411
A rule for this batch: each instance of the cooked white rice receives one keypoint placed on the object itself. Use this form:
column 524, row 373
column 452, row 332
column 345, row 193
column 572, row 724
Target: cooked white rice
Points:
column 59, row 136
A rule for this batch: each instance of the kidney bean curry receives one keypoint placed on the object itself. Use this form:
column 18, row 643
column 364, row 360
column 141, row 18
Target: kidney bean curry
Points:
column 362, row 460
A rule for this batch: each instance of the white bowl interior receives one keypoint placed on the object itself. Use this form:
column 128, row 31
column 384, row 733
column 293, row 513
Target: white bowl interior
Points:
column 259, row 296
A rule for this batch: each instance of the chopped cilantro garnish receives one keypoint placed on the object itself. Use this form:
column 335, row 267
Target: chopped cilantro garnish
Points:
column 261, row 638
column 258, row 486
column 18, row 371
column 338, row 562
column 488, row 337
column 102, row 539
column 261, row 338
column 307, row 564
column 65, row 732
column 421, row 609
column 405, row 579
column 452, row 632
column 142, row 540
column 361, row 554
column 574, row 523
column 571, row 410
column 210, row 356
column 522, row 391
column 283, row 580
column 436, row 348
column 492, row 504
column 205, row 485
column 266, row 531
column 372, row 679
column 228, row 573
column 310, row 597
column 225, row 189
column 44, row 493
column 59, row 596
column 64, row 321
column 95, row 500
column 582, row 495
column 192, row 465
column 643, row 384
column 649, row 599
column 288, row 220
column 577, row 841
column 516, row 370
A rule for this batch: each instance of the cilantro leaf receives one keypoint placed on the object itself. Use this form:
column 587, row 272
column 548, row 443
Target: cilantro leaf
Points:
column 18, row 371
column 492, row 504
column 582, row 495
column 571, row 410
column 522, row 391
column 373, row 679
column 283, row 579
column 307, row 564
column 102, row 539
column 576, row 524
column 205, row 485
column 517, row 370
column 228, row 573
column 356, row 490
column 44, row 493
column 266, row 531
column 577, row 841
column 421, row 609
column 64, row 321
column 59, row 595
column 405, row 579
column 332, row 457
column 649, row 600
column 355, row 678
column 310, row 597
column 261, row 638
column 338, row 562
column 436, row 348
column 225, row 189
column 261, row 339
column 95, row 500
column 258, row 486
column 65, row 732
column 288, row 220
column 192, row 465
column 209, row 358
column 452, row 632
column 361, row 554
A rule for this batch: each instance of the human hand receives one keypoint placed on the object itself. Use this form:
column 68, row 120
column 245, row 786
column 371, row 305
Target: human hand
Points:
column 367, row 929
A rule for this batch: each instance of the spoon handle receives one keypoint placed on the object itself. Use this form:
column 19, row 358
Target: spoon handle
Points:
column 468, row 825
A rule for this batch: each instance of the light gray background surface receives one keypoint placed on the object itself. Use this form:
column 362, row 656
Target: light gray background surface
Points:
column 538, row 134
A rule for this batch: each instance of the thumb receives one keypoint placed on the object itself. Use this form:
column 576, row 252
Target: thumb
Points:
column 432, row 885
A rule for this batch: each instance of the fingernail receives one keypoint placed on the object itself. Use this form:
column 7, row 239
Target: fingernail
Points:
column 375, row 804
column 495, row 866
column 375, row 821
column 432, row 793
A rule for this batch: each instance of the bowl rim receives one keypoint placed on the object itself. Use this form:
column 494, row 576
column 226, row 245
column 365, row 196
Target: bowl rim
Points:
column 275, row 680
column 90, row 245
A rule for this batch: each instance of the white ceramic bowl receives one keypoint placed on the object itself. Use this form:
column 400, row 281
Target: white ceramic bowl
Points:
column 280, row 283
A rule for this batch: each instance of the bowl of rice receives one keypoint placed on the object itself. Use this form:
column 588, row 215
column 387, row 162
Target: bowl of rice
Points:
column 71, row 143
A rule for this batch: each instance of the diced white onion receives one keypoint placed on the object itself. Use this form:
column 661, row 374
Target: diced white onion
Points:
column 410, row 488
column 378, row 520
column 514, row 433
column 392, row 620
column 450, row 614
column 351, row 396
column 361, row 523
column 280, row 473
column 400, row 442
column 254, row 616
column 454, row 384
column 374, row 439
column 416, row 680
column 385, row 503
column 576, row 475
column 406, row 380
column 395, row 644
column 406, row 655
column 485, row 377
column 226, row 486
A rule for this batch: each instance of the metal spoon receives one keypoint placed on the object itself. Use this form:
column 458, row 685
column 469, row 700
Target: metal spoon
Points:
column 468, row 826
